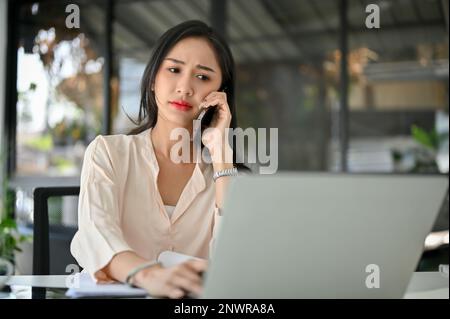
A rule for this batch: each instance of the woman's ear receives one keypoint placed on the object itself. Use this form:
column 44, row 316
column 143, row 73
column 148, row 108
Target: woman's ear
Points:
column 152, row 87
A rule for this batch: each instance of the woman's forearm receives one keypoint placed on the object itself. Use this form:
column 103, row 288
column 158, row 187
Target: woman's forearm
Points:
column 224, row 162
column 121, row 265
column 221, row 184
column 173, row 282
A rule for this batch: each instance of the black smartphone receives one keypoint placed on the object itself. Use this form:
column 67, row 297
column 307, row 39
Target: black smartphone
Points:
column 207, row 118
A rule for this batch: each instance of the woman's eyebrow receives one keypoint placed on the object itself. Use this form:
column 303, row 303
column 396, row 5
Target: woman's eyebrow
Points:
column 199, row 66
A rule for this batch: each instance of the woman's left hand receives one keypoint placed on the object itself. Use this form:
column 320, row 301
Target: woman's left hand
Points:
column 222, row 116
column 217, row 139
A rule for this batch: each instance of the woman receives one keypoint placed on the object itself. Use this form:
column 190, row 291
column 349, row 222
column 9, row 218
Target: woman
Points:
column 135, row 201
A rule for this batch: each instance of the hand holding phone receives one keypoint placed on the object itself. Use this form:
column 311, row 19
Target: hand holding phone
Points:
column 215, row 113
column 203, row 124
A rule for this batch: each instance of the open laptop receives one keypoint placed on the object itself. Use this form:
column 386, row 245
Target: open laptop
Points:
column 321, row 235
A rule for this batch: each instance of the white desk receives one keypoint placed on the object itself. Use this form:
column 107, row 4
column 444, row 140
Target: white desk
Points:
column 39, row 281
column 423, row 285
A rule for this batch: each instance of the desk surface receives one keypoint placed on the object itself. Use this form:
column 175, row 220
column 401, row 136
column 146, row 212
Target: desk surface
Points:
column 39, row 281
column 423, row 285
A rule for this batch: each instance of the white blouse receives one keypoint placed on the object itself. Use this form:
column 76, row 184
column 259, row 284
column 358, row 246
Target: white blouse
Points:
column 120, row 207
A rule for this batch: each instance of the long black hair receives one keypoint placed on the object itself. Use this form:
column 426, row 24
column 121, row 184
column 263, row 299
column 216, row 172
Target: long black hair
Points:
column 148, row 109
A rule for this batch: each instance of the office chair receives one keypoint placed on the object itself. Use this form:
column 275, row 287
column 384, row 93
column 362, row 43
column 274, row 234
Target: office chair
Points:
column 43, row 264
column 50, row 238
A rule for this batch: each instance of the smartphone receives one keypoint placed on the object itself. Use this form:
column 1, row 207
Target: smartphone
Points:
column 207, row 117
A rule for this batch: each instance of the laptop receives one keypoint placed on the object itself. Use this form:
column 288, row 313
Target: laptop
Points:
column 322, row 235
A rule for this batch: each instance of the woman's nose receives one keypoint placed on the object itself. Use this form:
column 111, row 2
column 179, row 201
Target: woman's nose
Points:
column 185, row 87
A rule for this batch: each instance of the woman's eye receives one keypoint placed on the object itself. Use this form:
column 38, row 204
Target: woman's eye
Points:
column 199, row 76
column 203, row 77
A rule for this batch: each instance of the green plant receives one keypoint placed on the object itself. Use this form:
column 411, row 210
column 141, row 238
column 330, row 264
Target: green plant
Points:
column 428, row 139
column 10, row 238
column 423, row 155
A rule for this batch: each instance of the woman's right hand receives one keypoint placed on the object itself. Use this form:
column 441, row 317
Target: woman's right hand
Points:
column 173, row 282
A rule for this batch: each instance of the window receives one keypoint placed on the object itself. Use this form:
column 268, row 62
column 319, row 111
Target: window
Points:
column 398, row 90
column 59, row 87
column 283, row 50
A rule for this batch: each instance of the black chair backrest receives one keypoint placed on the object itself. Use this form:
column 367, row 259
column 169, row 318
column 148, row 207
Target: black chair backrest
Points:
column 42, row 231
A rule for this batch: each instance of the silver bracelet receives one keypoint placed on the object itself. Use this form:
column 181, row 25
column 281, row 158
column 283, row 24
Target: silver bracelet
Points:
column 226, row 172
column 134, row 271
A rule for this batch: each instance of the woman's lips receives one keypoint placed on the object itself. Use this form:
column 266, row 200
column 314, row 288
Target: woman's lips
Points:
column 181, row 105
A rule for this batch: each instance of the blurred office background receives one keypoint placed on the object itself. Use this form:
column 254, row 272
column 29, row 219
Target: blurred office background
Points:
column 343, row 97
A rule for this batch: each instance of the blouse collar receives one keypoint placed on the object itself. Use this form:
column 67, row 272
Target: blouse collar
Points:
column 195, row 185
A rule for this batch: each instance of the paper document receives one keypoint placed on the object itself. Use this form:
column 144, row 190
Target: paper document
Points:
column 86, row 287
column 89, row 288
